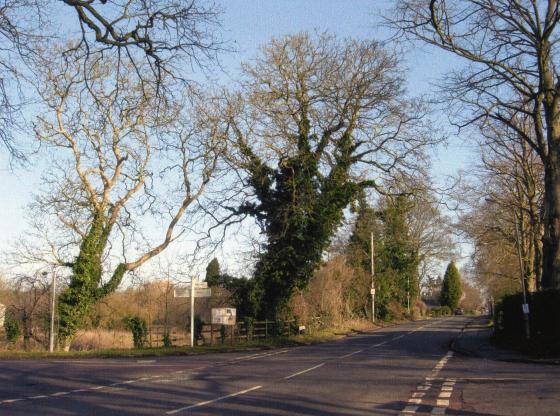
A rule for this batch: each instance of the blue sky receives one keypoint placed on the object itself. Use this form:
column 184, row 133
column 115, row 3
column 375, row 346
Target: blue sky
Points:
column 250, row 23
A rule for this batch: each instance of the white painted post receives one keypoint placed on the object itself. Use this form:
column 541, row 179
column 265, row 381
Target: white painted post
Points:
column 192, row 312
column 53, row 304
column 372, row 281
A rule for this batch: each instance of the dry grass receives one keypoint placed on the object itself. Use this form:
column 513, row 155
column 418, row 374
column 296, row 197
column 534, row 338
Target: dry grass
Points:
column 101, row 339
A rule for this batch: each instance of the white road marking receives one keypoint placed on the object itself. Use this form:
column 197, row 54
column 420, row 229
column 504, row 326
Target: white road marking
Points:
column 303, row 372
column 351, row 354
column 410, row 409
column 445, row 394
column 37, row 397
column 444, row 403
column 96, row 387
column 415, row 401
column 60, row 393
column 12, row 400
column 172, row 412
column 418, row 395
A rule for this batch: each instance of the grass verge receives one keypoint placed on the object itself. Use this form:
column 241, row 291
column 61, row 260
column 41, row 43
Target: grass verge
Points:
column 316, row 337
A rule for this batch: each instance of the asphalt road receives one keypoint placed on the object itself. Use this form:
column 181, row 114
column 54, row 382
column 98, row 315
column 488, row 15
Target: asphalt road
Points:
column 406, row 369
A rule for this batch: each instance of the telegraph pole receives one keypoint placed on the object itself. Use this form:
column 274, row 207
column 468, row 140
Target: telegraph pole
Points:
column 192, row 312
column 53, row 304
column 522, row 272
column 372, row 281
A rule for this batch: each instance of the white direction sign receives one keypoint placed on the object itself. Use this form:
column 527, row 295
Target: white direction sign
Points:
column 199, row 292
column 195, row 290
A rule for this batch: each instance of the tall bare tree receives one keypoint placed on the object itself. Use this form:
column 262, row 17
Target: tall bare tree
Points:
column 511, row 47
column 315, row 123
column 152, row 40
column 116, row 162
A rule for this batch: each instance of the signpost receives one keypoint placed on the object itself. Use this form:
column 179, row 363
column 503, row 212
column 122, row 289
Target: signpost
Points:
column 195, row 290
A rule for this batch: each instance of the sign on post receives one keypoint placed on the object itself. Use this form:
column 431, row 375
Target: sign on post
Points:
column 223, row 316
column 195, row 290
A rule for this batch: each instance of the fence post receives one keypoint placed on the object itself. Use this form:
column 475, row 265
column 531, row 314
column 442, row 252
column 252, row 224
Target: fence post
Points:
column 265, row 329
column 211, row 334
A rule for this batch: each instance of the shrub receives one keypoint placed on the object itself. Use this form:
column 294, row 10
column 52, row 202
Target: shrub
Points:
column 167, row 339
column 139, row 330
column 11, row 326
column 441, row 311
column 198, row 325
column 249, row 325
column 544, row 320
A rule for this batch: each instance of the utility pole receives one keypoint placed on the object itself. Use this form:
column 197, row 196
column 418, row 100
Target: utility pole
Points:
column 408, row 294
column 192, row 312
column 372, row 280
column 53, row 304
column 522, row 272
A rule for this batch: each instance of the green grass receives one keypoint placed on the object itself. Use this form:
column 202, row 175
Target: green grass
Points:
column 315, row 337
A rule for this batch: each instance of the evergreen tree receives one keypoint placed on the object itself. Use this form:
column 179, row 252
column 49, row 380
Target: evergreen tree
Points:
column 451, row 291
column 396, row 259
column 213, row 272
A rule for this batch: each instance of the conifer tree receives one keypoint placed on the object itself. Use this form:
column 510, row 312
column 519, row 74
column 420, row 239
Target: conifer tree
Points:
column 213, row 272
column 451, row 291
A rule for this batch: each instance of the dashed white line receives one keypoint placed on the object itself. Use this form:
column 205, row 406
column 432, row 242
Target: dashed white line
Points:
column 172, row 412
column 351, row 354
column 303, row 371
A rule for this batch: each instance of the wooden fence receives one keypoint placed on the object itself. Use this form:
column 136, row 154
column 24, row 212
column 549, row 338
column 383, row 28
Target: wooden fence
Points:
column 213, row 334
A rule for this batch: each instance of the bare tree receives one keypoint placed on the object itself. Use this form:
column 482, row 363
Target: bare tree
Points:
column 511, row 46
column 116, row 162
column 152, row 40
column 315, row 123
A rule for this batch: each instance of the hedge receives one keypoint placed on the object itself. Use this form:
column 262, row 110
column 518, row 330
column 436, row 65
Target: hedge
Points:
column 544, row 320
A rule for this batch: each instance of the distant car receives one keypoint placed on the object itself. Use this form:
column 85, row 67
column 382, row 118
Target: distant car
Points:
column 459, row 311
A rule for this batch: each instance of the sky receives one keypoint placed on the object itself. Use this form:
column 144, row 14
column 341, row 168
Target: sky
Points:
column 249, row 24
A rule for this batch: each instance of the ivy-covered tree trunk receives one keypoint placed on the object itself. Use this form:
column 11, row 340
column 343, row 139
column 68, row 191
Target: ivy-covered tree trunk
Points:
column 302, row 213
column 85, row 284
column 314, row 119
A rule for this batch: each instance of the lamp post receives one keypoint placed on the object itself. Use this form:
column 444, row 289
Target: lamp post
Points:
column 53, row 304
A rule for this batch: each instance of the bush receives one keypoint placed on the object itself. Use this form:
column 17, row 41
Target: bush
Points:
column 139, row 330
column 167, row 339
column 11, row 326
column 198, row 325
column 544, row 321
column 441, row 311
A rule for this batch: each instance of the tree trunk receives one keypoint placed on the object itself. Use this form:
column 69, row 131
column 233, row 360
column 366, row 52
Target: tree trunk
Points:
column 551, row 236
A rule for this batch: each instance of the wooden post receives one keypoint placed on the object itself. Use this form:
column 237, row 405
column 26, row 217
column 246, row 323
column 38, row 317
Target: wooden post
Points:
column 265, row 329
column 211, row 334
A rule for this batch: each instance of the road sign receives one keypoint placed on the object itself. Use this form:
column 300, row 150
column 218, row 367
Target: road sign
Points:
column 372, row 291
column 185, row 292
column 525, row 308
column 223, row 316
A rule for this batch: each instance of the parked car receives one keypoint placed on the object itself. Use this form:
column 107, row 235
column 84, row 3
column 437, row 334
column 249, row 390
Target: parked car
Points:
column 459, row 311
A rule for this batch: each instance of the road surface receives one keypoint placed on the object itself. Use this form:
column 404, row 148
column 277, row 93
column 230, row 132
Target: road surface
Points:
column 405, row 369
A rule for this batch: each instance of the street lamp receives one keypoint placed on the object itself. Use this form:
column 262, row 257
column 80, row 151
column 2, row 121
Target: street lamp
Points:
column 53, row 304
